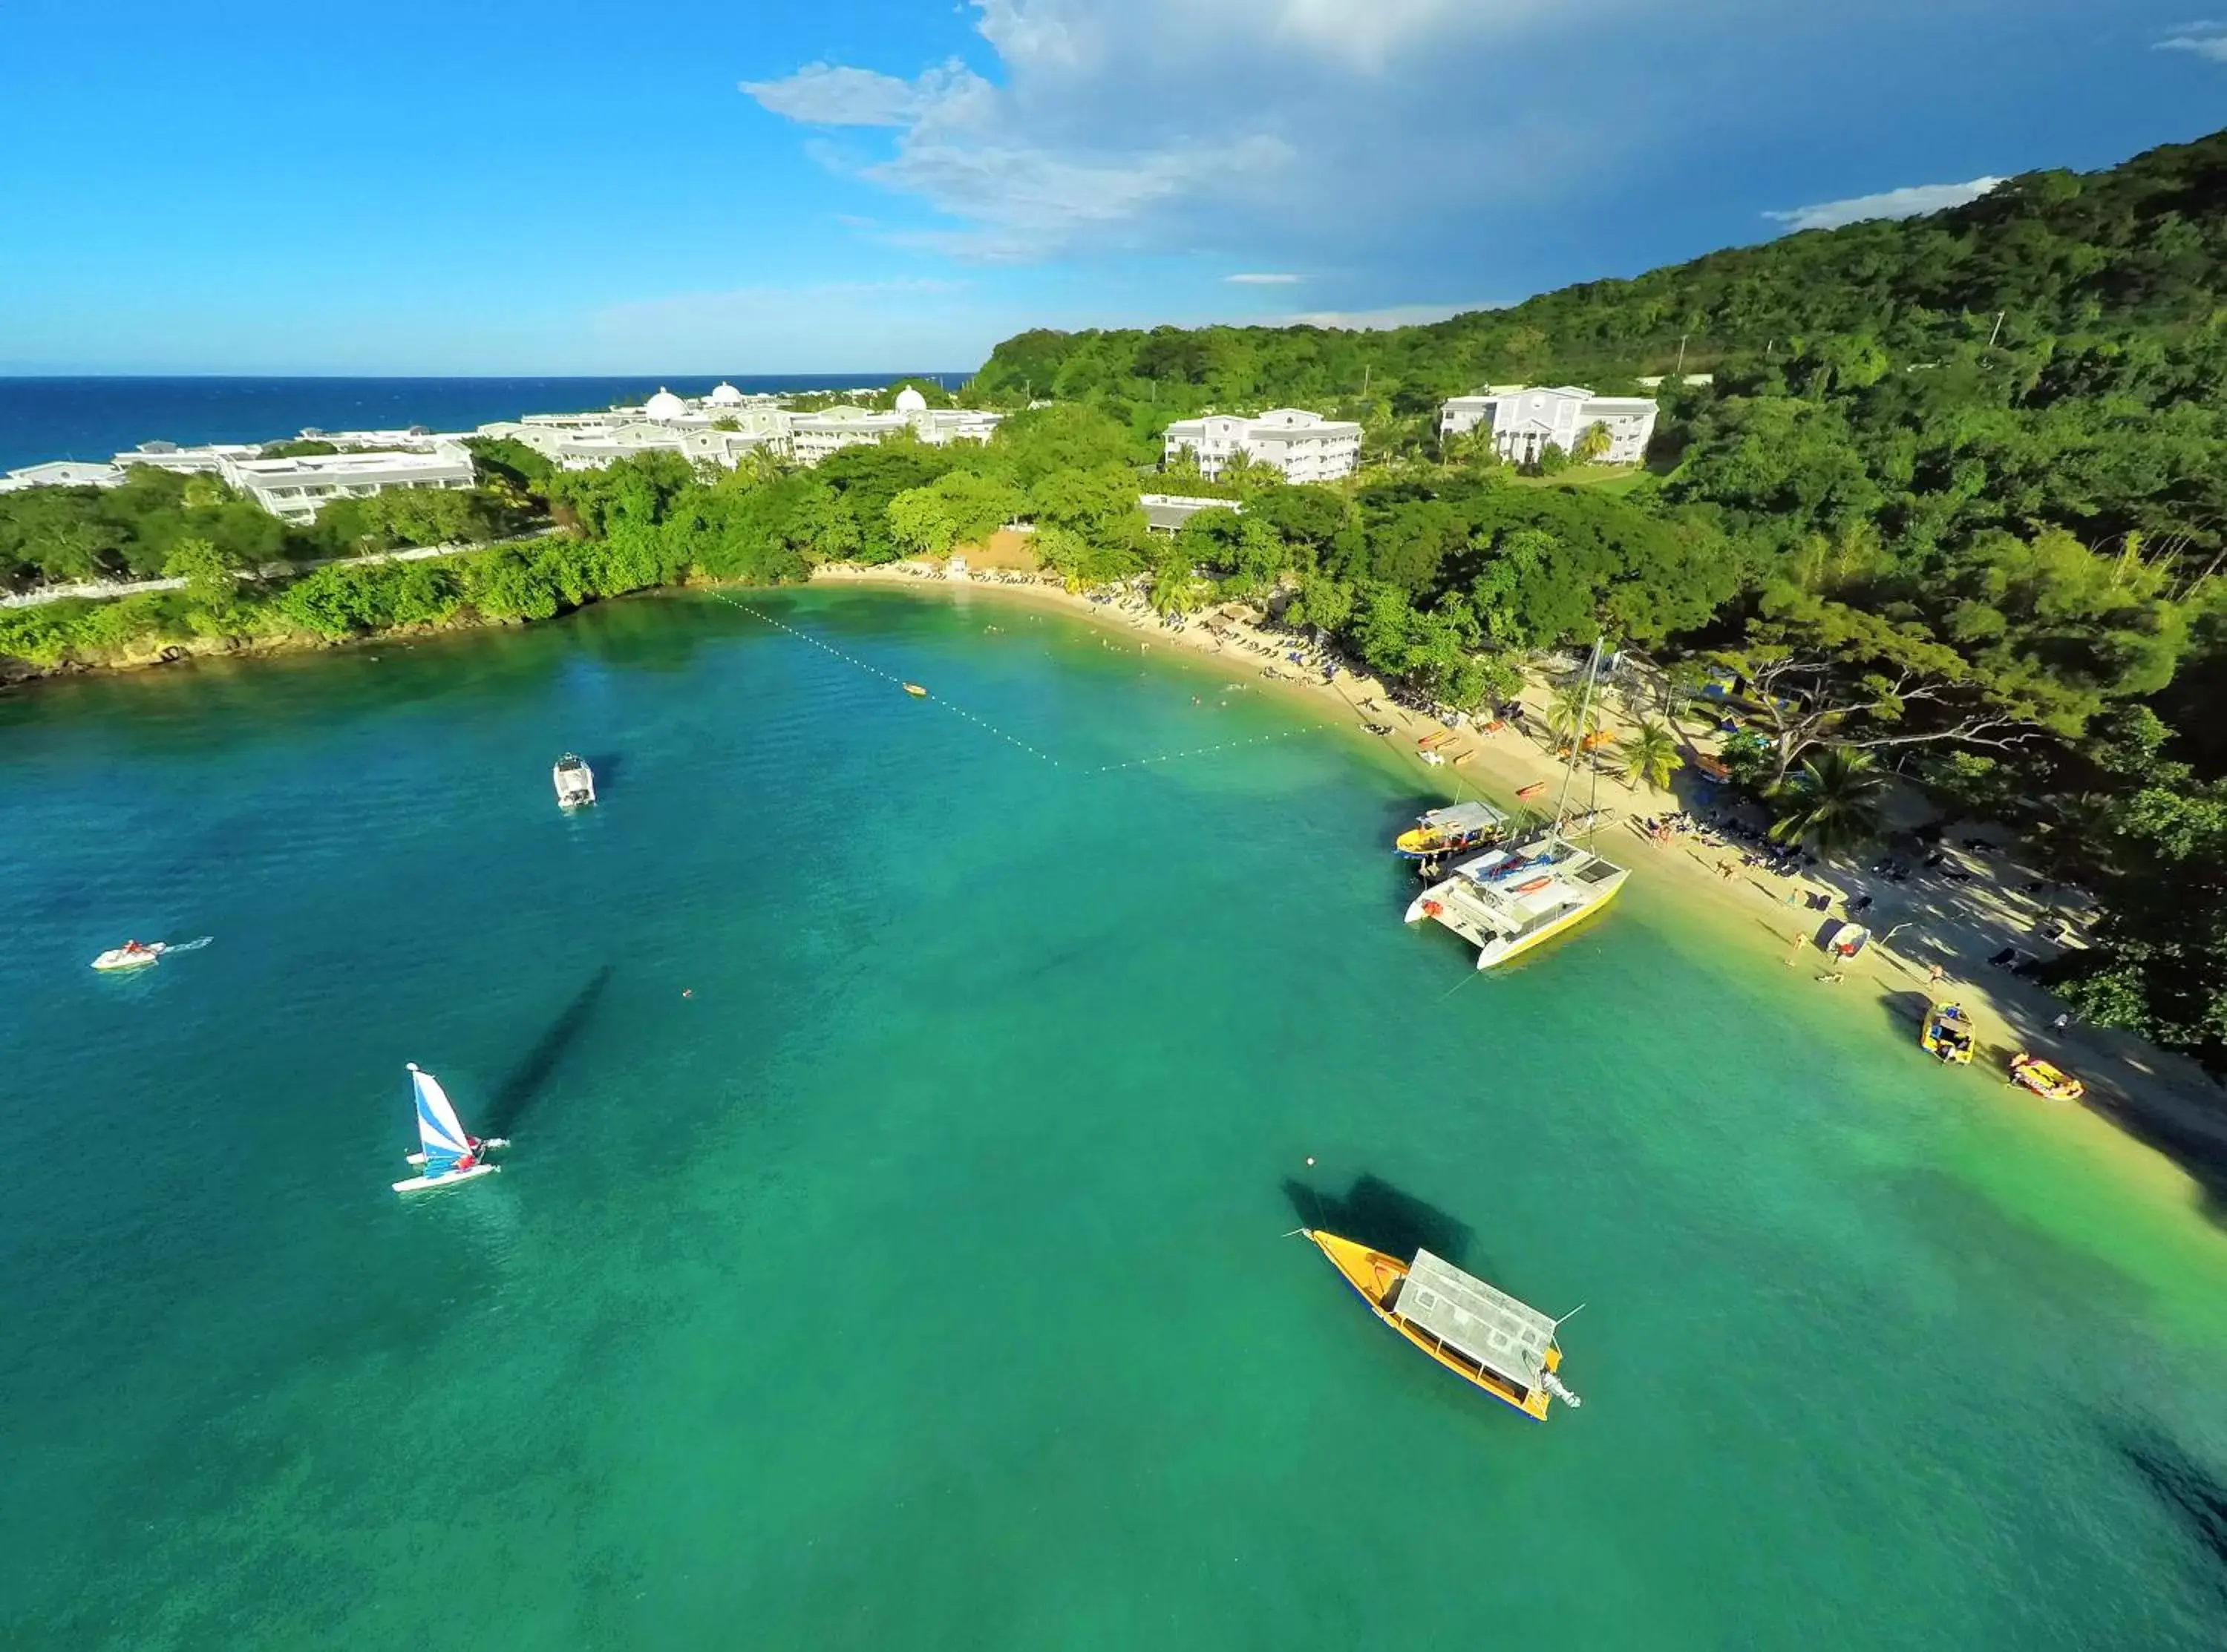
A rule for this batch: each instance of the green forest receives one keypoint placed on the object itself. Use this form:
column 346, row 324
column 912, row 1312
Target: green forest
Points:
column 1950, row 500
column 1954, row 497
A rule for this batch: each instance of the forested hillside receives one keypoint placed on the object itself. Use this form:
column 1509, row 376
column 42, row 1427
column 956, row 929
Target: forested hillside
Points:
column 2135, row 251
column 1956, row 496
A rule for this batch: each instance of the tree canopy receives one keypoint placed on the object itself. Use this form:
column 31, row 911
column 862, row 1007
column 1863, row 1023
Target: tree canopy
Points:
column 1950, row 495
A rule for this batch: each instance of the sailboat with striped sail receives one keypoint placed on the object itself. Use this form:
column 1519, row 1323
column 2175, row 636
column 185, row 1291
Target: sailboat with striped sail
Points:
column 446, row 1152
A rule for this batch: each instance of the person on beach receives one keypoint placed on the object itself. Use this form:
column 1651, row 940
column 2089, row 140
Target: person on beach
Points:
column 1935, row 975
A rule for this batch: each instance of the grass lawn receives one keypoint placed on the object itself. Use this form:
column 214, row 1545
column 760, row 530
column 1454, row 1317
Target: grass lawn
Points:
column 1599, row 478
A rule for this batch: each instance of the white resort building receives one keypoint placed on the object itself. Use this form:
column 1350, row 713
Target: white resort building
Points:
column 208, row 460
column 1524, row 421
column 61, row 473
column 1165, row 513
column 296, row 489
column 416, row 439
column 726, row 425
column 724, row 428
column 813, row 437
column 1305, row 447
column 585, row 444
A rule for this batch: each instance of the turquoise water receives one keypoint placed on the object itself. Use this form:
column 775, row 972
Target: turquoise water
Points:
column 906, row 1129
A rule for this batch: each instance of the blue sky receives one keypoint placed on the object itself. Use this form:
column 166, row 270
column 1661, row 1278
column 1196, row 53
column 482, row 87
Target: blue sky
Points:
column 867, row 184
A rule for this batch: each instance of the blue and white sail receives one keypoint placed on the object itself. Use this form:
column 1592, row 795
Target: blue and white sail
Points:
column 438, row 1129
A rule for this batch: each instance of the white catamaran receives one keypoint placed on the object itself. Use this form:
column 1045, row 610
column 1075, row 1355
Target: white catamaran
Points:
column 447, row 1154
column 1506, row 901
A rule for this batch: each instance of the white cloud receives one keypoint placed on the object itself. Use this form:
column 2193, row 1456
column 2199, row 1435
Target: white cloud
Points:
column 1906, row 203
column 1173, row 125
column 1250, row 280
column 1373, row 320
column 1035, row 200
column 823, row 94
column 2204, row 38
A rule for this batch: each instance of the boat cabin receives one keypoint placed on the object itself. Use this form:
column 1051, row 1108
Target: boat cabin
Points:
column 1449, row 830
column 1475, row 1328
column 576, row 781
column 1462, row 820
column 1525, row 888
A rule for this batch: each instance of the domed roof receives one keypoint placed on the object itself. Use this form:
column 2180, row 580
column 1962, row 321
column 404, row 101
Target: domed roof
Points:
column 725, row 395
column 664, row 404
column 911, row 401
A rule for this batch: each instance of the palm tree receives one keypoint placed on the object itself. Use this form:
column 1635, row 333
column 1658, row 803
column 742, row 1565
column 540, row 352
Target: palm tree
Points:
column 1175, row 589
column 1573, row 704
column 1650, row 753
column 1833, row 801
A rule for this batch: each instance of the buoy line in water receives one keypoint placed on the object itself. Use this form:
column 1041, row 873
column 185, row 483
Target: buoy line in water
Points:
column 1201, row 751
column 871, row 669
column 874, row 670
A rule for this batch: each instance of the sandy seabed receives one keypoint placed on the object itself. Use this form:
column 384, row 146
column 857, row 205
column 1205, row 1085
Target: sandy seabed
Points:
column 2133, row 1090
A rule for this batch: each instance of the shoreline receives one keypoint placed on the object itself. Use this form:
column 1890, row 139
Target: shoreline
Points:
column 2162, row 1102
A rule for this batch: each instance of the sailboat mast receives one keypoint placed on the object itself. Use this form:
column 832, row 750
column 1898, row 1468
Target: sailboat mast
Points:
column 1592, row 771
column 1578, row 735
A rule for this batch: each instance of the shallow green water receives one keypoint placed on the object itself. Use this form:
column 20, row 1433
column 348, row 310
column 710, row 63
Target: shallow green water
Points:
column 917, row 1281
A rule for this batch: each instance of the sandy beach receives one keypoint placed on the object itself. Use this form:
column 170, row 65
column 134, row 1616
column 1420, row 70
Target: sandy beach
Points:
column 1925, row 922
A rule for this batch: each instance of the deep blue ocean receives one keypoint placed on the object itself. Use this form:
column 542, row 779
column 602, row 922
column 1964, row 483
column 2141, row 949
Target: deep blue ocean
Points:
column 94, row 417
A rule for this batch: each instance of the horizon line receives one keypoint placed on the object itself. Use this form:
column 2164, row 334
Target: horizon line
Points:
column 828, row 372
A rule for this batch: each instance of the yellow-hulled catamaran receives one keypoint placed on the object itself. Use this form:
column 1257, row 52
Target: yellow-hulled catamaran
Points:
column 1482, row 1334
column 1507, row 900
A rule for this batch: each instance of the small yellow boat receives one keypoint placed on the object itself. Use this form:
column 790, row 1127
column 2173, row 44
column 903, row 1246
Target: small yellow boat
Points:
column 916, row 691
column 1452, row 830
column 1947, row 1035
column 2045, row 1079
column 1483, row 1336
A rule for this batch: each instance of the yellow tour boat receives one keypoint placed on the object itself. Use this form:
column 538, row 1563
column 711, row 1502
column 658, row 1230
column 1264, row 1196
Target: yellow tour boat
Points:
column 2045, row 1079
column 1453, row 830
column 1483, row 1336
column 916, row 691
column 1947, row 1035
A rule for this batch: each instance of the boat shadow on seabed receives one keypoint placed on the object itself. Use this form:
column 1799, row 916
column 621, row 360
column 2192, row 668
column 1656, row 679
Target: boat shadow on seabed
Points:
column 1374, row 1213
column 527, row 1080
column 2185, row 1489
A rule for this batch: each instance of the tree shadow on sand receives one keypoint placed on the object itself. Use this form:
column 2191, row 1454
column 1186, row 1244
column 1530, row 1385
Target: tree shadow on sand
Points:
column 1375, row 1213
column 529, row 1080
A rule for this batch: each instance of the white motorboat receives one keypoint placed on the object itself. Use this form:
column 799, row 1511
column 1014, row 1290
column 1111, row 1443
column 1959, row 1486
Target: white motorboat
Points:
column 446, row 1153
column 132, row 954
column 576, row 781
